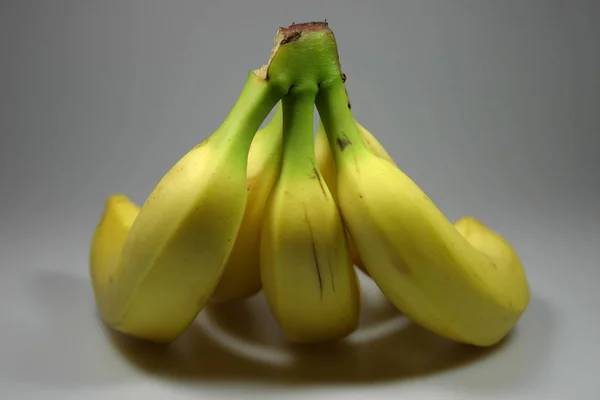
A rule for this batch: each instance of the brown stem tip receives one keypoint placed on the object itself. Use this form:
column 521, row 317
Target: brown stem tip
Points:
column 294, row 30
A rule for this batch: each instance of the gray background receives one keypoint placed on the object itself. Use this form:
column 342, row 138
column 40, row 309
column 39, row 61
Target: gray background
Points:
column 492, row 107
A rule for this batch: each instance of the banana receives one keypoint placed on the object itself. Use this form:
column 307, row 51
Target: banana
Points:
column 108, row 239
column 307, row 274
column 241, row 277
column 326, row 164
column 153, row 272
column 462, row 281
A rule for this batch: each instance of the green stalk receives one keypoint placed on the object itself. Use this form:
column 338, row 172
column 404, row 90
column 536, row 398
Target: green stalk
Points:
column 303, row 58
column 336, row 116
column 308, row 53
column 257, row 99
column 298, row 144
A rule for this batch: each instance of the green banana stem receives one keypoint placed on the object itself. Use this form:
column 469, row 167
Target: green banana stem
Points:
column 304, row 55
column 336, row 117
column 298, row 146
column 318, row 61
column 307, row 54
column 257, row 99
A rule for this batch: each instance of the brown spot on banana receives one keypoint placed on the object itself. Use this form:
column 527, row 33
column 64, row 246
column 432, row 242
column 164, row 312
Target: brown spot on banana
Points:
column 318, row 177
column 331, row 273
column 293, row 36
column 343, row 142
column 317, row 266
column 314, row 252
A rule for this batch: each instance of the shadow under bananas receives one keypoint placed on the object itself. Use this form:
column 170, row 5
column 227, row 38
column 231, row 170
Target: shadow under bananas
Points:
column 242, row 342
column 55, row 339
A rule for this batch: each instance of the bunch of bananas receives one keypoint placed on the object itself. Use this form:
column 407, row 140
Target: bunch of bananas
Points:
column 277, row 210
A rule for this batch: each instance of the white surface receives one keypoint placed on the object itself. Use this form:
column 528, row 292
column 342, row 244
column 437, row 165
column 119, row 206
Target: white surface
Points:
column 55, row 347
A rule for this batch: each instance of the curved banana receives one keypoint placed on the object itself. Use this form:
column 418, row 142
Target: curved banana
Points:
column 463, row 281
column 241, row 277
column 326, row 164
column 108, row 239
column 151, row 280
column 307, row 273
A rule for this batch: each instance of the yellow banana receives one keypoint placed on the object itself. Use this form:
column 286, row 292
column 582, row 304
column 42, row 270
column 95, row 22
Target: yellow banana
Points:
column 326, row 164
column 108, row 238
column 151, row 280
column 463, row 281
column 307, row 273
column 241, row 277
